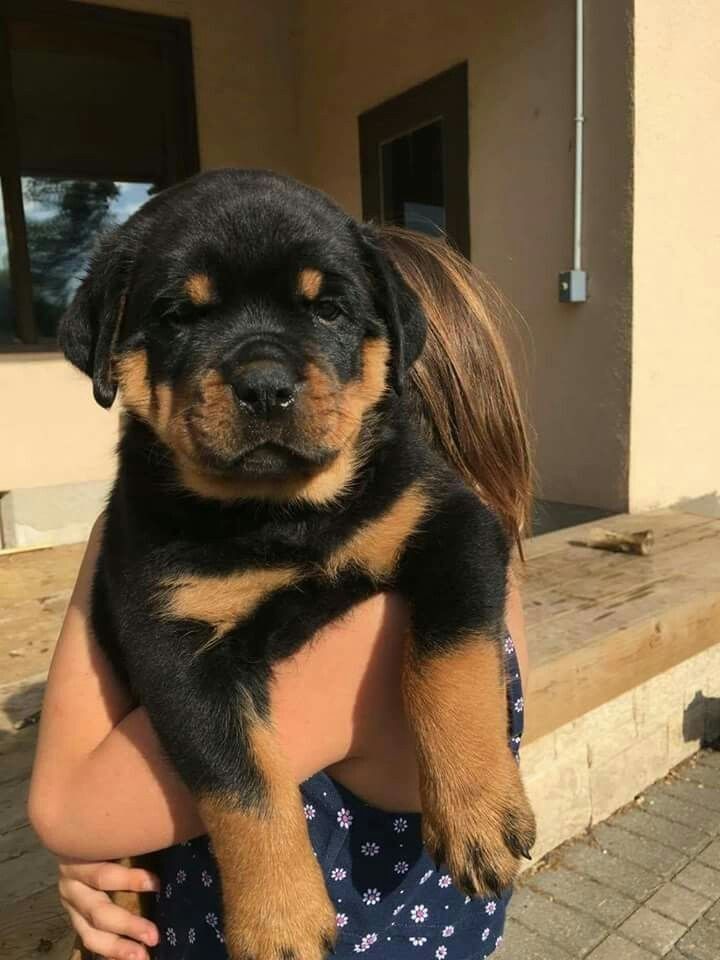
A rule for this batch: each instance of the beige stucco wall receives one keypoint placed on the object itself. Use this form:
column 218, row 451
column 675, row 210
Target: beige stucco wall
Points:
column 676, row 333
column 521, row 77
column 51, row 432
column 280, row 84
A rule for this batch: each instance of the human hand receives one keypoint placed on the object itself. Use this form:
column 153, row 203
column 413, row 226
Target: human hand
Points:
column 104, row 927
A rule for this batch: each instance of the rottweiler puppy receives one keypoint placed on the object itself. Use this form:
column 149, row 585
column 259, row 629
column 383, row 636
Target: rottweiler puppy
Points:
column 269, row 479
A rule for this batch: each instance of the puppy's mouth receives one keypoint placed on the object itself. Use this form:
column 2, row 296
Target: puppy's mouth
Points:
column 273, row 460
column 268, row 460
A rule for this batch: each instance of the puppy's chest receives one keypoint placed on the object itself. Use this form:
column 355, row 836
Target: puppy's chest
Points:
column 370, row 550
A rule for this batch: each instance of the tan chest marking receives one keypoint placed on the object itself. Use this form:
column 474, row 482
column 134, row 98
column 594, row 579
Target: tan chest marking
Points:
column 377, row 546
column 224, row 601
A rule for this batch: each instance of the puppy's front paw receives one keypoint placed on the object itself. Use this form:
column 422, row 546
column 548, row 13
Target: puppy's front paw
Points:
column 479, row 827
column 292, row 919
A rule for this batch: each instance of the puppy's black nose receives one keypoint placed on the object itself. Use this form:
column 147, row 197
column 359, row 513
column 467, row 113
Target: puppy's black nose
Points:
column 265, row 388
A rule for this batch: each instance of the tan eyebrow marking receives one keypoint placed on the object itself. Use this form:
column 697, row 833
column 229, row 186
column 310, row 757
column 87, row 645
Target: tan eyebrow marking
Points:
column 199, row 287
column 309, row 282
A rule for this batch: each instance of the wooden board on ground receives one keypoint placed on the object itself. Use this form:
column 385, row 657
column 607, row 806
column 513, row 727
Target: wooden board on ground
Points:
column 35, row 587
column 35, row 927
column 601, row 623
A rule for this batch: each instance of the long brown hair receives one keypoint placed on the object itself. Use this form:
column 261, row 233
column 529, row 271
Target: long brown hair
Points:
column 464, row 388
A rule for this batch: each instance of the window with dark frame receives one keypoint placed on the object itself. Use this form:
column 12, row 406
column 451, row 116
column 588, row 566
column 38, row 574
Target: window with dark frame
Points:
column 414, row 158
column 96, row 114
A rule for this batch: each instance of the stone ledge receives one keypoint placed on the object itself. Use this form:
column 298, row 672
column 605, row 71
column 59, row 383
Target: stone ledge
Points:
column 625, row 655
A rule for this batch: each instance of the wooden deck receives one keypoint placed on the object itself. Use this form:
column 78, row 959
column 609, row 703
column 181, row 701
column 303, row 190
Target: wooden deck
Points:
column 598, row 624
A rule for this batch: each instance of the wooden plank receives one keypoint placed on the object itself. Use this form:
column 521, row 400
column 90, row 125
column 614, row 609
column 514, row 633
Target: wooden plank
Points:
column 650, row 587
column 35, row 927
column 563, row 689
column 30, row 873
column 20, row 701
column 16, row 754
column 38, row 573
column 16, row 843
column 663, row 522
column 13, row 805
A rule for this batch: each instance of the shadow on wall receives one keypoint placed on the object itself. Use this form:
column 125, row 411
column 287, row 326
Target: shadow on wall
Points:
column 701, row 720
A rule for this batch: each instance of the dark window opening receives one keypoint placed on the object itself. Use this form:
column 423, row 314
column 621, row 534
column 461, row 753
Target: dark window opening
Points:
column 413, row 180
column 97, row 114
column 414, row 159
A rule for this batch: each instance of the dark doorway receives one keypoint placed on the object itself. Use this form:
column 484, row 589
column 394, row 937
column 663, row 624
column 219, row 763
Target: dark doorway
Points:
column 414, row 158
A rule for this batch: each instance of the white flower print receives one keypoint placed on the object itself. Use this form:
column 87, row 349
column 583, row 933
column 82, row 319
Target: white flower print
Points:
column 206, row 879
column 371, row 896
column 402, row 866
column 486, row 933
column 490, row 908
column 448, row 931
column 344, row 818
column 400, row 824
column 370, row 849
column 426, row 876
column 441, row 953
column 519, row 705
column 417, row 941
column 339, row 873
column 397, row 910
column 498, row 942
column 444, row 880
column 171, row 936
column 168, row 890
column 211, row 919
column 467, row 900
column 509, row 645
column 367, row 941
column 420, row 913
column 341, row 919
column 309, row 811
column 180, row 876
column 191, row 935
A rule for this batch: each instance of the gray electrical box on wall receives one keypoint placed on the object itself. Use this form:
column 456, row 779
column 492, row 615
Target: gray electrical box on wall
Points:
column 573, row 286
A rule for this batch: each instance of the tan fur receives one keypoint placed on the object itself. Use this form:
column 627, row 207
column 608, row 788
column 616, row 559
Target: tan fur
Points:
column 332, row 414
column 225, row 601
column 200, row 289
column 377, row 546
column 309, row 283
column 274, row 894
column 131, row 370
column 336, row 411
column 470, row 783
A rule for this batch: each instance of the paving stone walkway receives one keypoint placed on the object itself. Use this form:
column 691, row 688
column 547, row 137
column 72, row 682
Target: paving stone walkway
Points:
column 642, row 885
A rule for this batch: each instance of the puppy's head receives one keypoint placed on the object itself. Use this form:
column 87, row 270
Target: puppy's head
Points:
column 253, row 326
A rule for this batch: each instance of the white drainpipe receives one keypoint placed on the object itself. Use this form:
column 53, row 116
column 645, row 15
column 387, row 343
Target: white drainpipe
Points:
column 573, row 283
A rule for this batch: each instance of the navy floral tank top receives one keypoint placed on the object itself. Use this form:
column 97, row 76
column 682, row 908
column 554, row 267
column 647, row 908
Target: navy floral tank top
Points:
column 391, row 901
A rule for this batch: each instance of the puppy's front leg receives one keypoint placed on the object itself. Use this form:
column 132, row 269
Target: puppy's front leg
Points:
column 214, row 725
column 476, row 817
column 275, row 901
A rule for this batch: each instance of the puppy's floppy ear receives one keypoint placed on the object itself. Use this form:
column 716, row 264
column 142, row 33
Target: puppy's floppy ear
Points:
column 90, row 325
column 396, row 304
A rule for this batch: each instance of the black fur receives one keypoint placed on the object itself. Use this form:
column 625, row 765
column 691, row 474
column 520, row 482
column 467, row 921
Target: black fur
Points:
column 251, row 233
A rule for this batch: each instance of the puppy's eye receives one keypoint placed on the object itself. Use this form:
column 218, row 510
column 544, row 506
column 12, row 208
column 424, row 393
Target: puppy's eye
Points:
column 326, row 310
